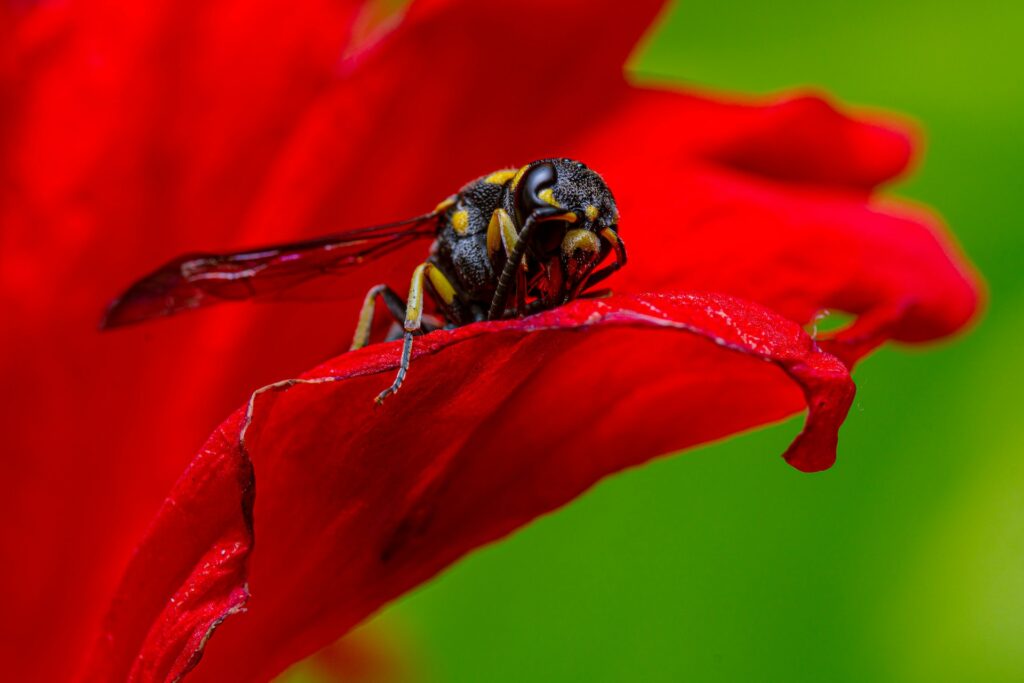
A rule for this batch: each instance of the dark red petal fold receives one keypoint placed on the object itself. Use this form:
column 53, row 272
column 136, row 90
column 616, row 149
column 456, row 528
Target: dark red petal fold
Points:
column 497, row 424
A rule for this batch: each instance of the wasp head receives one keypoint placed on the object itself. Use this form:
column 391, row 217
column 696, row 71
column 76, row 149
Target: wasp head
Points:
column 577, row 225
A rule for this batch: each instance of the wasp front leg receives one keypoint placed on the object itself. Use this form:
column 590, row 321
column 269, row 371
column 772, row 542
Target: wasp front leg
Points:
column 446, row 295
column 620, row 258
column 502, row 235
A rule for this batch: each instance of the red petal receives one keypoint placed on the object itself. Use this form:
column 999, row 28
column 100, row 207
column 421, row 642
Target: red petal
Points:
column 701, row 221
column 127, row 133
column 400, row 131
column 355, row 506
column 135, row 132
column 793, row 138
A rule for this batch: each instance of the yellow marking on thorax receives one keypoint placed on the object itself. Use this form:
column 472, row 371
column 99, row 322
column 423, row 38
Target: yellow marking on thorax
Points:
column 547, row 195
column 444, row 204
column 500, row 177
column 460, row 221
column 592, row 212
column 519, row 176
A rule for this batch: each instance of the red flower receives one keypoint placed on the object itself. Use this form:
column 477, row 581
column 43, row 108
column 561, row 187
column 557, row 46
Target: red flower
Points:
column 135, row 132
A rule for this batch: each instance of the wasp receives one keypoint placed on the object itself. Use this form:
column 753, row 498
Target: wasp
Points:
column 511, row 243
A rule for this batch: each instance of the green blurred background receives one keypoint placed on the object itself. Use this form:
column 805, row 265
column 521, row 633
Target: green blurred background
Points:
column 905, row 562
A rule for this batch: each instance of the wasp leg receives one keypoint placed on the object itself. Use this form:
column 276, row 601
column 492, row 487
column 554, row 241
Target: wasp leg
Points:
column 395, row 306
column 521, row 291
column 512, row 263
column 501, row 232
column 620, row 259
column 446, row 295
column 599, row 275
column 430, row 323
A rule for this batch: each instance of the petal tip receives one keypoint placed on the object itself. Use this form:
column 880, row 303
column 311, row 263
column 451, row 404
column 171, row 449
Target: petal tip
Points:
column 829, row 392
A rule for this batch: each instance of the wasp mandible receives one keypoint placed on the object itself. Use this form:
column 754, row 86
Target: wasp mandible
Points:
column 535, row 235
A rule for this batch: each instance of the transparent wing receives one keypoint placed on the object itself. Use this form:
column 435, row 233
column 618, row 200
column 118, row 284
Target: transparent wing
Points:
column 197, row 280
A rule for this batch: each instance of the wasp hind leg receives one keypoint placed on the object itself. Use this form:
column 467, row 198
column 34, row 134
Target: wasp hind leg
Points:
column 414, row 319
column 395, row 306
column 430, row 323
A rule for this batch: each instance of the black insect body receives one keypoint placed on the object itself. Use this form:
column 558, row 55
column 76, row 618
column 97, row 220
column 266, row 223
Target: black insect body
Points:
column 511, row 243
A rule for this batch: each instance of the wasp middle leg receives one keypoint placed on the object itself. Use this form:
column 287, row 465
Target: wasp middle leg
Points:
column 425, row 274
column 395, row 306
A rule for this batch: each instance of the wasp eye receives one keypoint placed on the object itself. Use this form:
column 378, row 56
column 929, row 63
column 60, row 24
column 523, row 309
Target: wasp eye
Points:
column 528, row 199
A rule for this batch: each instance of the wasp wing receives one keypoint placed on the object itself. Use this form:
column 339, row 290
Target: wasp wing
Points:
column 197, row 280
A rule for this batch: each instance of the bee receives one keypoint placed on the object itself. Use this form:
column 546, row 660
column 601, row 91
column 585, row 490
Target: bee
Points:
column 508, row 244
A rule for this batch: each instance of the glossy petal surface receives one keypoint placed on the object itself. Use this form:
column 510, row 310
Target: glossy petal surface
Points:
column 355, row 505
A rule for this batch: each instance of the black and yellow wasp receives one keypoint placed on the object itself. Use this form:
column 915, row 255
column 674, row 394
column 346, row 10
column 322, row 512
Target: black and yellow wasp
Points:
column 534, row 235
